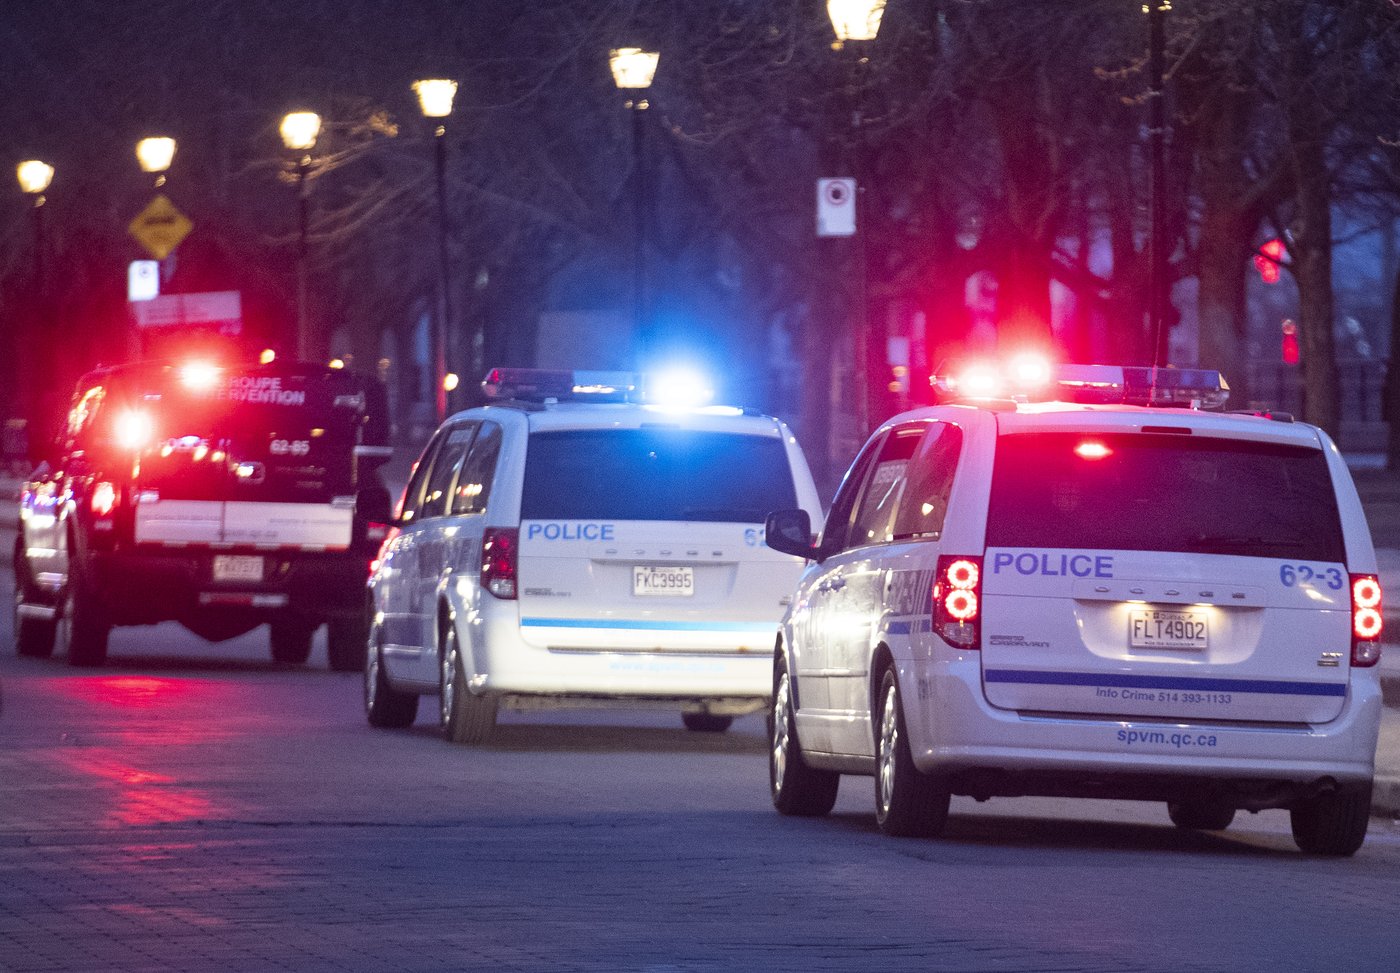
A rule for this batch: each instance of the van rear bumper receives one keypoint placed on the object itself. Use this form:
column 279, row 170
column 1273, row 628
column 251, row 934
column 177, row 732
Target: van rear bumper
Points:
column 735, row 672
column 984, row 751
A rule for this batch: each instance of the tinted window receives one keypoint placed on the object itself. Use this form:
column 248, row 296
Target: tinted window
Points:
column 925, row 500
column 444, row 471
column 838, row 518
column 884, row 486
column 1163, row 493
column 655, row 474
column 413, row 493
column 478, row 470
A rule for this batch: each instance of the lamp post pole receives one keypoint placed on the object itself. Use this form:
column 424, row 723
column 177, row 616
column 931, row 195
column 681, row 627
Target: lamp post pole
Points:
column 1157, row 134
column 299, row 132
column 633, row 70
column 34, row 180
column 858, row 21
column 435, row 98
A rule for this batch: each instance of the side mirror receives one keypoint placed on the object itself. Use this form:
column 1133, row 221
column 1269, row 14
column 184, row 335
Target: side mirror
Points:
column 790, row 532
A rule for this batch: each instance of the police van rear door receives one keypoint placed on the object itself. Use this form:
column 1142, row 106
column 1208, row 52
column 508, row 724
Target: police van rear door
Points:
column 651, row 539
column 1160, row 570
column 257, row 457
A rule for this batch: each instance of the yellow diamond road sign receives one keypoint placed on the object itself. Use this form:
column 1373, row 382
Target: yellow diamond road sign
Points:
column 160, row 227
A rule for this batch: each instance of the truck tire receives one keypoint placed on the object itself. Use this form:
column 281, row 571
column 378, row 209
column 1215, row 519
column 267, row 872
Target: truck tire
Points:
column 347, row 643
column 290, row 639
column 83, row 625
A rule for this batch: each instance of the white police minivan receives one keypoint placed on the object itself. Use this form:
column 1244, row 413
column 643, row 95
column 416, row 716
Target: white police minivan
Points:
column 570, row 545
column 1110, row 595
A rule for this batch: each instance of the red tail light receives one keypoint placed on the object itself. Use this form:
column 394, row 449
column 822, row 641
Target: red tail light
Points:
column 385, row 534
column 1366, row 620
column 500, row 554
column 104, row 499
column 957, row 601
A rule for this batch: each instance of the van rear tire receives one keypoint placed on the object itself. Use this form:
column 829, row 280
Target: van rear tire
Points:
column 1335, row 823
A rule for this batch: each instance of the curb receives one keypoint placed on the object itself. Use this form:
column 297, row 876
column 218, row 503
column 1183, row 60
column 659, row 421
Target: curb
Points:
column 1385, row 798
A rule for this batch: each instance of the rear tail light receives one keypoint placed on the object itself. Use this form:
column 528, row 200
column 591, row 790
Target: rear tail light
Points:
column 500, row 555
column 957, row 601
column 104, row 499
column 384, row 534
column 1366, row 620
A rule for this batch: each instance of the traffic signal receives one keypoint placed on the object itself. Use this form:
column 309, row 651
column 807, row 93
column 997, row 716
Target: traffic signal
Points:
column 1290, row 338
column 1268, row 260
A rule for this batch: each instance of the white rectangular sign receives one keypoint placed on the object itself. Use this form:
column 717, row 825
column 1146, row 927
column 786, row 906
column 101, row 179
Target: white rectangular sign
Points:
column 223, row 309
column 836, row 206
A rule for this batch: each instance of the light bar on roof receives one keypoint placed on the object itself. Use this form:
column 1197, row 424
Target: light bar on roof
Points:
column 1195, row 388
column 539, row 384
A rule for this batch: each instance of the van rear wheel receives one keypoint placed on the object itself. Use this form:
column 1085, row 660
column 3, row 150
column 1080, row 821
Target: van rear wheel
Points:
column 908, row 802
column 1335, row 823
column 465, row 718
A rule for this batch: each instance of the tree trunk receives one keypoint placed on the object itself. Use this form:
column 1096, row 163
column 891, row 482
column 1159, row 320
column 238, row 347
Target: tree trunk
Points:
column 1221, row 298
column 1390, row 397
column 1312, row 267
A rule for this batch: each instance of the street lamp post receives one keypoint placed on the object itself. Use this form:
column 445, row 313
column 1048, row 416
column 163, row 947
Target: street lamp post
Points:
column 34, row 179
column 859, row 21
column 435, row 96
column 299, row 131
column 632, row 71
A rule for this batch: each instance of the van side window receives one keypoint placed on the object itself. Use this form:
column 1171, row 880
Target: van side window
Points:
column 478, row 470
column 925, row 500
column 437, row 489
column 883, row 487
column 413, row 494
column 838, row 518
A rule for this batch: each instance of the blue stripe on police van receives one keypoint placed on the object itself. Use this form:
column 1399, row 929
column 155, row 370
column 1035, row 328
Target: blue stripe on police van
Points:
column 1276, row 687
column 648, row 626
column 899, row 628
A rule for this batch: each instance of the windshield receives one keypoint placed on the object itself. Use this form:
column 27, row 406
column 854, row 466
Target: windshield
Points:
column 655, row 474
column 1139, row 492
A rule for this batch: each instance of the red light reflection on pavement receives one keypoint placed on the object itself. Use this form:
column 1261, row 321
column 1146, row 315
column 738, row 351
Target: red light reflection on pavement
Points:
column 140, row 765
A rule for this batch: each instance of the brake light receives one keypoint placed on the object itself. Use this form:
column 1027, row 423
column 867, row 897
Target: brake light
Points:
column 500, row 556
column 957, row 601
column 1366, row 620
column 104, row 499
column 384, row 534
column 134, row 429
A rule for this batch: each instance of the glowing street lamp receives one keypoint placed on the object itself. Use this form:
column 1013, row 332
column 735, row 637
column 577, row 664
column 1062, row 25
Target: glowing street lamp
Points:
column 299, row 130
column 155, row 155
column 632, row 71
column 435, row 97
column 855, row 20
column 34, row 179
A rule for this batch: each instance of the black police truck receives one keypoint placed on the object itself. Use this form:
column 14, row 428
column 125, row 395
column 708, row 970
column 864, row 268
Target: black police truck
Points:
column 221, row 497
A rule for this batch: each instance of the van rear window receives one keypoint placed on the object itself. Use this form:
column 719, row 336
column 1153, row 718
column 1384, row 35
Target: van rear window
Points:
column 1137, row 492
column 655, row 474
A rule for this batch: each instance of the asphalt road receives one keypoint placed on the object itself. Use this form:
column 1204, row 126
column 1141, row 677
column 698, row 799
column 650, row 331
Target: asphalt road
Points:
column 194, row 807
